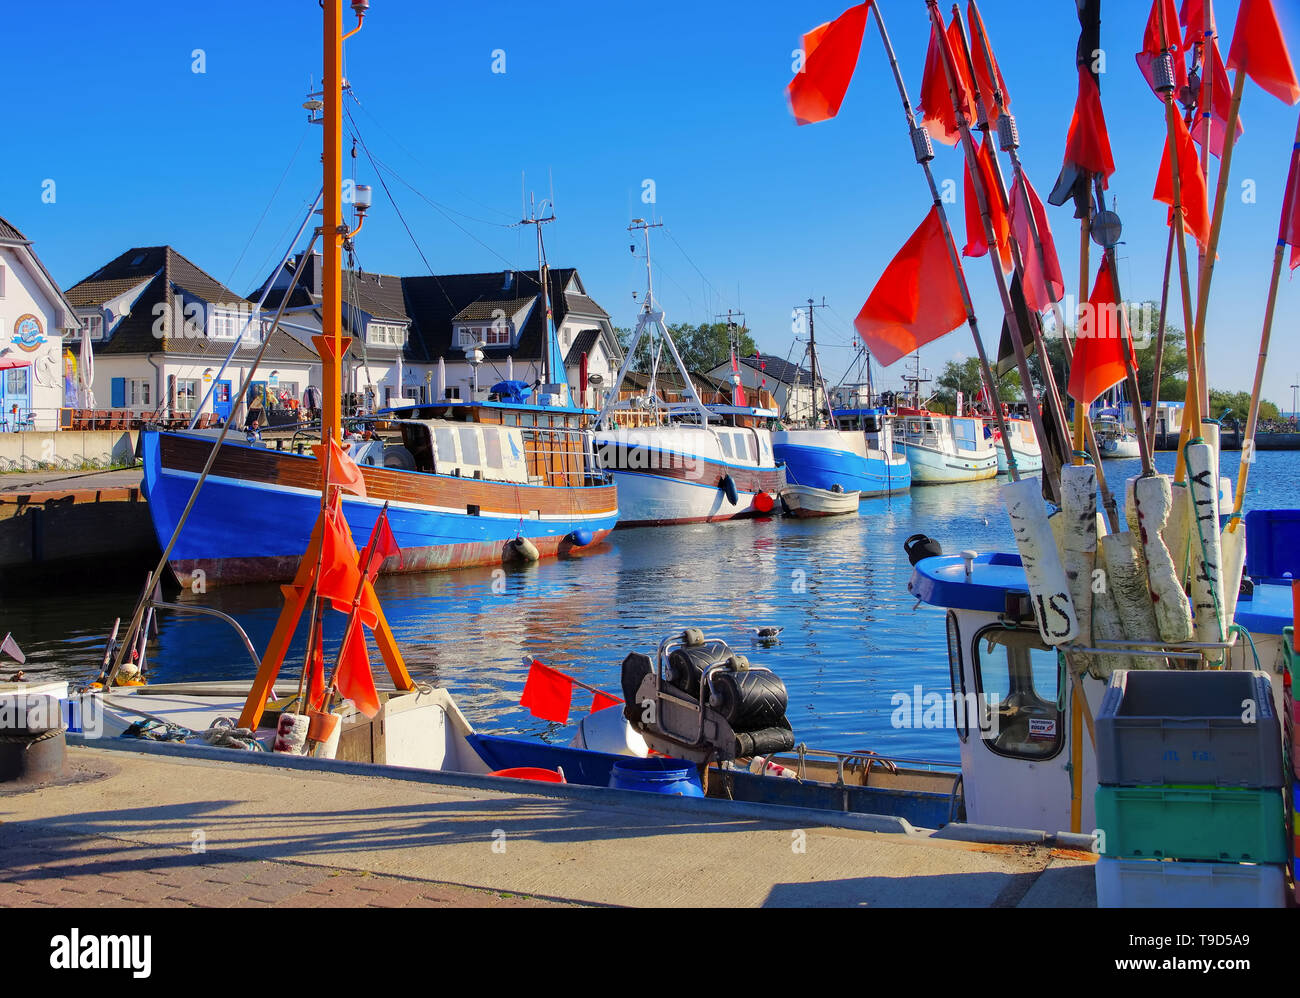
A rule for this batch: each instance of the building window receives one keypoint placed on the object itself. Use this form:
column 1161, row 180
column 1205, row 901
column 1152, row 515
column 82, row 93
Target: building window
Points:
column 379, row 334
column 497, row 334
column 226, row 325
column 16, row 381
column 93, row 324
column 138, row 393
column 2, row 282
column 188, row 394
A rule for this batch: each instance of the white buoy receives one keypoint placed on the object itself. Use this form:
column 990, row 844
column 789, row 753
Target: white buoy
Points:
column 291, row 734
column 525, row 549
column 1048, row 586
column 1152, row 499
column 1079, row 539
column 1233, row 545
column 1126, row 582
column 1207, row 553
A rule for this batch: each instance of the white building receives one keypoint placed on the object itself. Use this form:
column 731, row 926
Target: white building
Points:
column 161, row 328
column 34, row 318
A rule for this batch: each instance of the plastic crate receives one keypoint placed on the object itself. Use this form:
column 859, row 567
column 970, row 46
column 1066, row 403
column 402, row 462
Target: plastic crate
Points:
column 1168, row 728
column 1155, row 883
column 1194, row 823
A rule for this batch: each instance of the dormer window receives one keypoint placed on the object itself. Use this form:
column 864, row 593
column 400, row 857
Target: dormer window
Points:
column 384, row 334
column 224, row 324
column 94, row 325
column 496, row 334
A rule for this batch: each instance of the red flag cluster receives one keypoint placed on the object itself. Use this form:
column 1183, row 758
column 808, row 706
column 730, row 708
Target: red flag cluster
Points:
column 976, row 240
column 937, row 98
column 342, row 581
column 1043, row 283
column 548, row 694
column 1162, row 34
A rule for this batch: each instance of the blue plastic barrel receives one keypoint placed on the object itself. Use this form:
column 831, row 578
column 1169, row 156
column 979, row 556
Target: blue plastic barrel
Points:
column 657, row 776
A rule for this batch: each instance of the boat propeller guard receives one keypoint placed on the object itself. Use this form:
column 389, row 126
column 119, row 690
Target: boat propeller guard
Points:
column 701, row 701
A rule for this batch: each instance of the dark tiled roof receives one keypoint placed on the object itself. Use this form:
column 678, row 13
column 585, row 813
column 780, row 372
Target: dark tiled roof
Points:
column 485, row 309
column 779, row 370
column 170, row 275
column 7, row 231
column 582, row 343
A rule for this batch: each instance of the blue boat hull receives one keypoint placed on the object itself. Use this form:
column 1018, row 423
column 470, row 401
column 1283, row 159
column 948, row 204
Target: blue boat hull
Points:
column 244, row 531
column 822, row 468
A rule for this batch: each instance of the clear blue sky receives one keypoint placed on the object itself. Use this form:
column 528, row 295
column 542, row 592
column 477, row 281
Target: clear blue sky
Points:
column 600, row 96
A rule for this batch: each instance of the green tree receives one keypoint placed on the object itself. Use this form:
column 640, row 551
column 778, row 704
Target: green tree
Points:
column 702, row 347
column 964, row 376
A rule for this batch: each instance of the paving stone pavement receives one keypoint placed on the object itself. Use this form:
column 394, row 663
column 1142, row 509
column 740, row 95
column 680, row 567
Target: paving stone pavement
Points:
column 81, row 871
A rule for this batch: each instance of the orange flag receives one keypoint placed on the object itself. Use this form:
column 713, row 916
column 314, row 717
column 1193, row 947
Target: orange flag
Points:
column 1259, row 50
column 343, row 471
column 917, row 299
column 353, row 677
column 987, row 84
column 599, row 701
column 830, row 54
column 548, row 694
column 940, row 118
column 1099, row 350
column 1153, row 43
column 1041, row 287
column 1195, row 197
column 976, row 246
column 316, row 661
column 339, row 574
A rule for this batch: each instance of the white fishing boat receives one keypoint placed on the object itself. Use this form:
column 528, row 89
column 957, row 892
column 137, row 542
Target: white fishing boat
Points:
column 674, row 458
column 944, row 450
column 1114, row 439
column 1024, row 445
column 804, row 501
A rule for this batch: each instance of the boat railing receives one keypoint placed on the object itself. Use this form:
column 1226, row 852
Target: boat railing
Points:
column 561, row 457
column 1201, row 652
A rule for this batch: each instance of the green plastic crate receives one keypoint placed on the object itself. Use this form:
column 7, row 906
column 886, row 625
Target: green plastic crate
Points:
column 1194, row 823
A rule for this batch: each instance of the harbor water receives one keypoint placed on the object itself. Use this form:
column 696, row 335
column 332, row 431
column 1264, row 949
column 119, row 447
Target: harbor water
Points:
column 854, row 642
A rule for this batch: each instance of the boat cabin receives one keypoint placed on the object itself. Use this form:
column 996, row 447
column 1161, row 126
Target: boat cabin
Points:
column 530, row 445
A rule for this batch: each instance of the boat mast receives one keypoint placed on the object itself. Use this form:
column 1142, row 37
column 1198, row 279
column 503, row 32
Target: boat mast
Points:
column 816, row 368
column 553, row 372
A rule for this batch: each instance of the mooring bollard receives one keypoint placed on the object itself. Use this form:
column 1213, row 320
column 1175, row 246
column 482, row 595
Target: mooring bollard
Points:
column 32, row 745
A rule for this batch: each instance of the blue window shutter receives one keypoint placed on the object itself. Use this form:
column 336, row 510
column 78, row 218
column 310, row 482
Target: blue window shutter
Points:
column 119, row 393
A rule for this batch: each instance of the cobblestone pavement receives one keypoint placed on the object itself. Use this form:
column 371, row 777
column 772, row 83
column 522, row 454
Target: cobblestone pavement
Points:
column 75, row 871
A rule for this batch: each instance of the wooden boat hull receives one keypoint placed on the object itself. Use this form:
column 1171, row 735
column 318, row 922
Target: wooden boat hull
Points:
column 254, row 515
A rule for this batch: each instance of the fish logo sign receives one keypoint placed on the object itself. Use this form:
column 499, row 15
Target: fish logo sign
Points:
column 28, row 333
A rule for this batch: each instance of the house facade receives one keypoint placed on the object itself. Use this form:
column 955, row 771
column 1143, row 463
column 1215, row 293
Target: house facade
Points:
column 160, row 330
column 790, row 384
column 35, row 318
column 422, row 338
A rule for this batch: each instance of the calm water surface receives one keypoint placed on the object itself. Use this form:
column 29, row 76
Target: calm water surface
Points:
column 852, row 639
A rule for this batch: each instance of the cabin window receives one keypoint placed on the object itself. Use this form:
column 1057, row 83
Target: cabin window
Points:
column 446, row 444
column 469, row 450
column 914, row 427
column 511, row 419
column 960, row 718
column 492, row 446
column 726, row 445
column 753, row 448
column 1019, row 680
column 964, row 431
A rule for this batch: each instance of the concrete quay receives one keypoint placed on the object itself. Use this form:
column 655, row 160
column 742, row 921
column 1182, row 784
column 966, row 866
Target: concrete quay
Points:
column 143, row 828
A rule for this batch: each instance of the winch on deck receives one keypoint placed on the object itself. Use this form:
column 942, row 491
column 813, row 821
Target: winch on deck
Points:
column 701, row 701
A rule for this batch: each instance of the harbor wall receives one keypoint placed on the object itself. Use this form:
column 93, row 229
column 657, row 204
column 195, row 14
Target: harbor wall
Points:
column 35, row 449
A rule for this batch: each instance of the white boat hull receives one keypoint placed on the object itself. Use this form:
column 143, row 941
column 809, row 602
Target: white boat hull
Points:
column 1026, row 461
column 803, row 501
column 932, row 467
column 1126, row 448
column 649, row 500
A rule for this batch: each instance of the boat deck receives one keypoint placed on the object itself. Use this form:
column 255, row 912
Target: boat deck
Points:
column 143, row 807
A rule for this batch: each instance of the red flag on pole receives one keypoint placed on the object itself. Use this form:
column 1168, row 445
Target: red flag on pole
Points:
column 1220, row 106
column 1259, row 50
column 1194, row 195
column 1154, row 43
column 1099, row 349
column 1290, row 233
column 976, row 246
column 918, row 298
column 339, row 575
column 353, row 678
column 940, row 117
column 1087, row 146
column 1041, row 288
column 599, row 701
column 987, row 85
column 1192, row 17
column 316, row 663
column 830, row 54
column 547, row 694
column 343, row 471
column 382, row 545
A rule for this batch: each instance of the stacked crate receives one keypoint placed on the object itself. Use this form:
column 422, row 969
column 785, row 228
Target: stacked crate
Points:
column 1192, row 799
